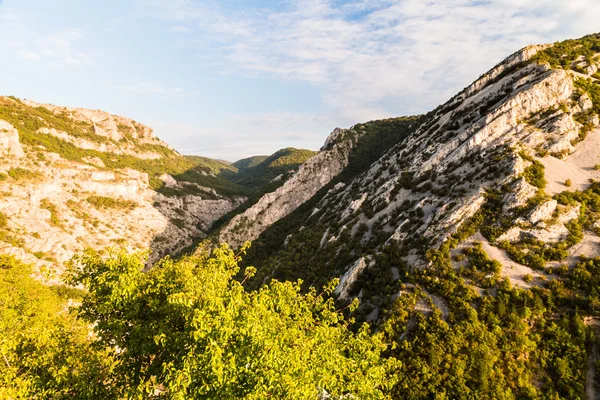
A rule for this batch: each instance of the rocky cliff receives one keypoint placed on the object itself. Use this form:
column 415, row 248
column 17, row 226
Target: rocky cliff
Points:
column 312, row 175
column 501, row 161
column 72, row 179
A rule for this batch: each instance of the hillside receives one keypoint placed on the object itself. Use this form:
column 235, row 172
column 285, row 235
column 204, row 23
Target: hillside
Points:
column 258, row 172
column 345, row 153
column 73, row 179
column 249, row 162
column 451, row 255
column 496, row 190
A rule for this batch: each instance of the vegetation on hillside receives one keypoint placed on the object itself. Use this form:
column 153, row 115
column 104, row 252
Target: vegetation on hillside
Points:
column 28, row 120
column 44, row 351
column 564, row 54
column 256, row 175
column 210, row 165
column 376, row 138
column 189, row 329
column 249, row 162
column 181, row 330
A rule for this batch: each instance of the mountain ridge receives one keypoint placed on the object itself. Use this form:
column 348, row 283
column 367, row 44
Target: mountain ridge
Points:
column 458, row 251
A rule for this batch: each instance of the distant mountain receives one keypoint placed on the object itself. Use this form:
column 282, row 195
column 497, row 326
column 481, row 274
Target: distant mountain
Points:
column 249, row 162
column 256, row 172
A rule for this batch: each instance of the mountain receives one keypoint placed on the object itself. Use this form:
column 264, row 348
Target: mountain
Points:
column 73, row 179
column 260, row 171
column 458, row 251
column 481, row 160
column 348, row 150
column 484, row 213
column 249, row 162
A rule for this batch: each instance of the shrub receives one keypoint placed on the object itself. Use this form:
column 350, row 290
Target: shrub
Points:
column 534, row 174
column 103, row 202
column 54, row 217
column 568, row 183
column 3, row 220
column 22, row 174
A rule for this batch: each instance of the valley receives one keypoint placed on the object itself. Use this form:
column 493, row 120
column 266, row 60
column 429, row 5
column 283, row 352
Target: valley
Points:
column 454, row 254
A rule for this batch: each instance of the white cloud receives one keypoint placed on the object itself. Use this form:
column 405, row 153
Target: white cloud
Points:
column 150, row 87
column 61, row 47
column 56, row 49
column 376, row 58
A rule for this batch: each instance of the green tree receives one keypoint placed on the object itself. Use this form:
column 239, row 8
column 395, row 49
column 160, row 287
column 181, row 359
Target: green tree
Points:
column 188, row 329
column 44, row 352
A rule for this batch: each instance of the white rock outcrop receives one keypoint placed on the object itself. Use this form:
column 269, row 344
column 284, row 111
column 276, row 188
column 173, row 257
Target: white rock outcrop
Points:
column 9, row 141
column 315, row 173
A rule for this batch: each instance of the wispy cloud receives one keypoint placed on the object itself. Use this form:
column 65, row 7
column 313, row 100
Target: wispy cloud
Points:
column 375, row 58
column 61, row 47
column 150, row 87
column 56, row 49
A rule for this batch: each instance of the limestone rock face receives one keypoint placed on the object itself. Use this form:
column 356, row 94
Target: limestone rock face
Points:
column 520, row 193
column 104, row 123
column 315, row 173
column 56, row 208
column 349, row 277
column 9, row 141
column 478, row 148
column 543, row 212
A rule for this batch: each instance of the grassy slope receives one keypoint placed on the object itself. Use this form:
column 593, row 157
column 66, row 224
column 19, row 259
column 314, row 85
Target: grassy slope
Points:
column 249, row 162
column 257, row 176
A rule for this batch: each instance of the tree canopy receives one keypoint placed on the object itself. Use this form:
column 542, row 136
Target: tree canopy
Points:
column 188, row 329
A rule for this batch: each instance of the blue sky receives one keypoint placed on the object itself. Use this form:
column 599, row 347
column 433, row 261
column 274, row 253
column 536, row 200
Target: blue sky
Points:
column 229, row 79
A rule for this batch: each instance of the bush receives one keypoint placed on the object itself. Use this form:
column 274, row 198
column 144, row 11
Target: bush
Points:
column 54, row 217
column 568, row 183
column 534, row 174
column 103, row 202
column 22, row 174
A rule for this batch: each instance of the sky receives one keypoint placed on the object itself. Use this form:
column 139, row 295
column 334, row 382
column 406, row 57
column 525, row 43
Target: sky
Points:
column 234, row 78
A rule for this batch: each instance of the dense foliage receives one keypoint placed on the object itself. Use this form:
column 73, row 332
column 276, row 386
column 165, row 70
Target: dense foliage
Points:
column 187, row 329
column 564, row 54
column 44, row 351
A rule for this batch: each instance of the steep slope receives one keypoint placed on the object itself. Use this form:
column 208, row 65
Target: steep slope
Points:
column 476, row 162
column 256, row 173
column 72, row 179
column 344, row 150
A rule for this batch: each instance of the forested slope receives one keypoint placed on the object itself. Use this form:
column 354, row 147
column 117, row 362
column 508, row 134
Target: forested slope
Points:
column 450, row 255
